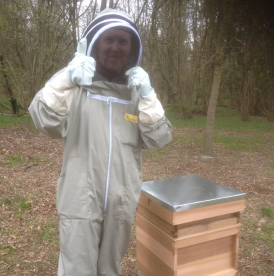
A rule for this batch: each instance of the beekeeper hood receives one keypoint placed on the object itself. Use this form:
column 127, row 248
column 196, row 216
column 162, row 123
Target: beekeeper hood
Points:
column 107, row 19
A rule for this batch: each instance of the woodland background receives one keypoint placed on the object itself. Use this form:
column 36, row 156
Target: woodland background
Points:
column 185, row 43
column 199, row 53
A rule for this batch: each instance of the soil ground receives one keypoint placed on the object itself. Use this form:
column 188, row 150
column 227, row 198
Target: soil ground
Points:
column 30, row 164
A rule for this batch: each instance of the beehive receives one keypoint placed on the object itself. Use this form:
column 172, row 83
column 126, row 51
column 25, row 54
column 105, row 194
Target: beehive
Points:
column 188, row 226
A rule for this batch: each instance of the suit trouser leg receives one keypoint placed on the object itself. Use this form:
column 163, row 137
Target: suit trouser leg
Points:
column 115, row 240
column 79, row 246
column 61, row 271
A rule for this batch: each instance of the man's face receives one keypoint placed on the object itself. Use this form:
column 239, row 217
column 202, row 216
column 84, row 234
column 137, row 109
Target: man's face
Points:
column 114, row 48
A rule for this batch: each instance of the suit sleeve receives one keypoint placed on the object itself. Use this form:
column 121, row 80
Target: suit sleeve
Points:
column 51, row 105
column 156, row 130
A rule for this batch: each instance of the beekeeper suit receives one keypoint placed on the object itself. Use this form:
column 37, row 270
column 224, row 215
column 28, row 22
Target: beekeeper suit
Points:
column 105, row 124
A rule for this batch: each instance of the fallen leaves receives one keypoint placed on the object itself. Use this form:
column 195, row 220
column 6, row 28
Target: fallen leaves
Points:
column 29, row 232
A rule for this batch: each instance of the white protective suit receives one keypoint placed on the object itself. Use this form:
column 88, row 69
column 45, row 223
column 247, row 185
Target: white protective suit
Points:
column 104, row 125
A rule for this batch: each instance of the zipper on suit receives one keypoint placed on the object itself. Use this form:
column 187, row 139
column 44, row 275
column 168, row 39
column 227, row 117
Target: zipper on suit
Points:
column 110, row 101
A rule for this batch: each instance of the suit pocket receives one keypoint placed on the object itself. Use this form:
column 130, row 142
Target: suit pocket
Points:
column 130, row 134
column 127, row 123
column 72, row 190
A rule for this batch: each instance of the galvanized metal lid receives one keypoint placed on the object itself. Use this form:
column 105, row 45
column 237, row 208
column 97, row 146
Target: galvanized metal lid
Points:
column 188, row 192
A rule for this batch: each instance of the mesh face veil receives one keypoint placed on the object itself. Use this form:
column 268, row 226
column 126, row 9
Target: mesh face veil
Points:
column 107, row 19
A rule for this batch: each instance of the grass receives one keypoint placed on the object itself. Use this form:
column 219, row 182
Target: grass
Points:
column 244, row 136
column 154, row 153
column 267, row 212
column 239, row 143
column 266, row 234
column 5, row 105
column 247, row 143
column 7, row 201
column 18, row 203
column 34, row 159
column 24, row 204
column 226, row 119
column 10, row 249
column 11, row 161
column 7, row 121
column 258, row 230
column 49, row 232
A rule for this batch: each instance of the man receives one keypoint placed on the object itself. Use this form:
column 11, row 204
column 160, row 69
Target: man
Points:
column 103, row 106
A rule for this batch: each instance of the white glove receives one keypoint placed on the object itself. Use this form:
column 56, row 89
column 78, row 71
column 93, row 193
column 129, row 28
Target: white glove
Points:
column 138, row 77
column 80, row 70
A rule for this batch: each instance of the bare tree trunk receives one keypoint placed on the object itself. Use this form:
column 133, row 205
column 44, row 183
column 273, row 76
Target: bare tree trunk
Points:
column 13, row 100
column 103, row 5
column 213, row 103
column 215, row 89
column 111, row 4
column 74, row 22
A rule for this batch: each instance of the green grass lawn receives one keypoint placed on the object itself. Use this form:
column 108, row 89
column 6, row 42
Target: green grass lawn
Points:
column 226, row 119
column 244, row 136
column 7, row 119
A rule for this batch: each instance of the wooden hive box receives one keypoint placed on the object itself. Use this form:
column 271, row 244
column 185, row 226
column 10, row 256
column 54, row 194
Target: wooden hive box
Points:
column 188, row 226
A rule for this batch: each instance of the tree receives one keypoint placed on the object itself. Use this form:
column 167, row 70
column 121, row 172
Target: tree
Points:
column 103, row 4
column 182, row 47
column 220, row 14
column 13, row 100
column 37, row 38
